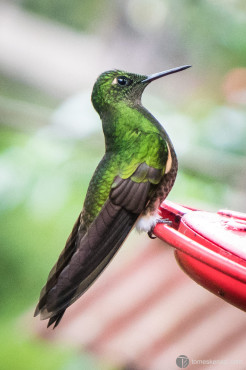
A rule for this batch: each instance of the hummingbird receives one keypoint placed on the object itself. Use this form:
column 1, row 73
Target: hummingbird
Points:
column 135, row 175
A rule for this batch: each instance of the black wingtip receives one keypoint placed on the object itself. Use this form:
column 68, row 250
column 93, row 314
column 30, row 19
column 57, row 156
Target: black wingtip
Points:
column 55, row 319
column 36, row 312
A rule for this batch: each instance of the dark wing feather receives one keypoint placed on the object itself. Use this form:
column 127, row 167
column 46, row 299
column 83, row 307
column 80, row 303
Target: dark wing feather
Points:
column 61, row 263
column 131, row 195
column 87, row 254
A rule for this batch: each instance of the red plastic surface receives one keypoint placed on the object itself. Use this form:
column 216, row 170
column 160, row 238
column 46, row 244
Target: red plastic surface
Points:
column 210, row 248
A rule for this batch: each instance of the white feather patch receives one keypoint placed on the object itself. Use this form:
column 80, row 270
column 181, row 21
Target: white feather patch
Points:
column 146, row 222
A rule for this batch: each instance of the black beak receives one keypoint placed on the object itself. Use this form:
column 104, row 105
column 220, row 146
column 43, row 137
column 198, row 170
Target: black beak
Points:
column 155, row 76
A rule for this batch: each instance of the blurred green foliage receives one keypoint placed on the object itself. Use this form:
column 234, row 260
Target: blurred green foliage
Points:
column 216, row 29
column 82, row 15
column 18, row 351
column 14, row 89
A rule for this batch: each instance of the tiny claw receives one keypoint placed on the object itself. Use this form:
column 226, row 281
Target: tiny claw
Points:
column 150, row 233
column 165, row 221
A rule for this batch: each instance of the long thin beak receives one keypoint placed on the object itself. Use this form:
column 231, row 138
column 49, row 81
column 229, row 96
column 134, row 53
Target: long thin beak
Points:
column 155, row 76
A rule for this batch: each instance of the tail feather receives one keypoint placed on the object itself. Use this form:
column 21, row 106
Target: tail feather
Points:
column 94, row 251
column 55, row 319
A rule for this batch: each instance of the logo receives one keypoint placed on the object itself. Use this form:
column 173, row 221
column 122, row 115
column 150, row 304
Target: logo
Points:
column 182, row 361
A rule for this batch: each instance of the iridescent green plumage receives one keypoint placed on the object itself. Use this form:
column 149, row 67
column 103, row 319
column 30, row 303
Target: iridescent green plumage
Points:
column 136, row 173
column 133, row 146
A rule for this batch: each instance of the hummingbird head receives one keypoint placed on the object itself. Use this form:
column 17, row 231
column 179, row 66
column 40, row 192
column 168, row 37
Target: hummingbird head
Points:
column 115, row 86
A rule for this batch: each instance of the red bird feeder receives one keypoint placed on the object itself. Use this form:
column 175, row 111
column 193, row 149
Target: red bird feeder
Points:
column 209, row 247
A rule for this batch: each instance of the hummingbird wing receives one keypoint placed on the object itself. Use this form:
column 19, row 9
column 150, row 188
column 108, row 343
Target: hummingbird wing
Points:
column 87, row 252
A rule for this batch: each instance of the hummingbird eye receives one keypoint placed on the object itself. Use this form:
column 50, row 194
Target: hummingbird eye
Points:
column 124, row 81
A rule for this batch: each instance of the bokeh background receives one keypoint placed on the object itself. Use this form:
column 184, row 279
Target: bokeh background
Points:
column 51, row 52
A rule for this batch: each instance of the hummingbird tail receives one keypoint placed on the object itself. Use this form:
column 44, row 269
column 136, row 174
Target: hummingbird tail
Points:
column 92, row 254
column 56, row 319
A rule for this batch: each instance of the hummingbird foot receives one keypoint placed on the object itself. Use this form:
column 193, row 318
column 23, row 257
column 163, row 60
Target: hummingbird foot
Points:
column 165, row 221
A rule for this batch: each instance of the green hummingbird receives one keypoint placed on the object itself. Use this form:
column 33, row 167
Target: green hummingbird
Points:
column 135, row 175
